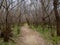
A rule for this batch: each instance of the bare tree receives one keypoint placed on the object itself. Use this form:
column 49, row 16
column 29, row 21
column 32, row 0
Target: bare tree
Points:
column 55, row 3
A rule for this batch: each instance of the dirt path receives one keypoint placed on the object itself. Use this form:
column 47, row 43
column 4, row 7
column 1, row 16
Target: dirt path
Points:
column 29, row 37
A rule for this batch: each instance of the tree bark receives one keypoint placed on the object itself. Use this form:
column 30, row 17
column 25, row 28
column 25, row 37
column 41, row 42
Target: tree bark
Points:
column 7, row 30
column 57, row 16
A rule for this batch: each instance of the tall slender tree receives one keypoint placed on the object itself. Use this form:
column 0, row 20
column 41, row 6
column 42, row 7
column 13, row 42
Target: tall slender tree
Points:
column 55, row 3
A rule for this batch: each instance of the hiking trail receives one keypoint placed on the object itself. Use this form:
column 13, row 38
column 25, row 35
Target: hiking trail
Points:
column 29, row 37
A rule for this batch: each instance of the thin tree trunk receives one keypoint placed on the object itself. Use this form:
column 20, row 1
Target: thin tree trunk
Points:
column 43, row 13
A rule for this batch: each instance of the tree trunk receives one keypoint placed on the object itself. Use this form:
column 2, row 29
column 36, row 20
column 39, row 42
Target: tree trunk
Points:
column 7, row 29
column 57, row 17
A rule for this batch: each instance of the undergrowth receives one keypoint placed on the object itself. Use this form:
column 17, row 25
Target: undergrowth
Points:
column 46, row 33
column 16, row 32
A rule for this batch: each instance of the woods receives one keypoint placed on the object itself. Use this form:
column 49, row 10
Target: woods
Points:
column 41, row 14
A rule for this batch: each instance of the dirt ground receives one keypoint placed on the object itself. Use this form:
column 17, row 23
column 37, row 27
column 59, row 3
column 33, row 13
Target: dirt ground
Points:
column 29, row 37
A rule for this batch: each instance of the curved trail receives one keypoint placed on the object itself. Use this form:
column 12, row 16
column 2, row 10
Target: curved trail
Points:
column 29, row 37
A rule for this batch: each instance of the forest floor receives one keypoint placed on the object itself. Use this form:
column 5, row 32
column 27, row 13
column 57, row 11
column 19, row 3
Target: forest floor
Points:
column 29, row 36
